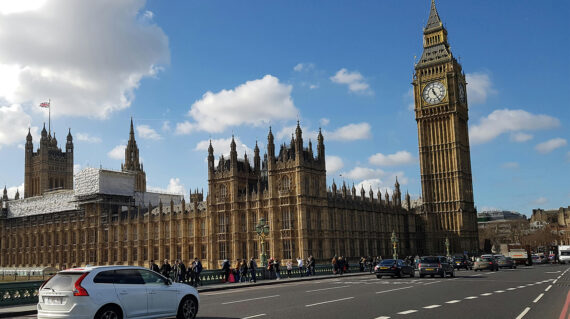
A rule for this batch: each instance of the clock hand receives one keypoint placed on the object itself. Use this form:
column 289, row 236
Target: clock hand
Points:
column 433, row 91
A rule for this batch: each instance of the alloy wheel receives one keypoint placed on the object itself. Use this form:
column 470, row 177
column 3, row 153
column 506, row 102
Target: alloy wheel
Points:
column 109, row 314
column 189, row 309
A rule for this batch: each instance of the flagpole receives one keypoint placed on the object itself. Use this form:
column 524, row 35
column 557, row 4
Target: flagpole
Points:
column 49, row 116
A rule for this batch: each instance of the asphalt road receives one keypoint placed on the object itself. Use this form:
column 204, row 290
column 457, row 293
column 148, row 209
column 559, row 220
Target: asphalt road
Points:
column 541, row 291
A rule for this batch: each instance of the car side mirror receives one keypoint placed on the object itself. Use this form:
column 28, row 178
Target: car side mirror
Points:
column 168, row 282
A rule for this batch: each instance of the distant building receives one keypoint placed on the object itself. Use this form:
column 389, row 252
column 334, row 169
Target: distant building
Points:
column 487, row 216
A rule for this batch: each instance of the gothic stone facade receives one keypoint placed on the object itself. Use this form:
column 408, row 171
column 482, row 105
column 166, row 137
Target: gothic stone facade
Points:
column 288, row 190
column 445, row 161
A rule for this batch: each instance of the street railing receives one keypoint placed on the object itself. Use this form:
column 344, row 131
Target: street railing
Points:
column 26, row 292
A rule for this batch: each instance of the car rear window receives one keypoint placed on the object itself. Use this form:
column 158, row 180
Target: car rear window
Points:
column 387, row 262
column 105, row 277
column 429, row 260
column 63, row 281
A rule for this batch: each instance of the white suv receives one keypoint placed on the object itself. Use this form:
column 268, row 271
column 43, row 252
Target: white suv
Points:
column 115, row 292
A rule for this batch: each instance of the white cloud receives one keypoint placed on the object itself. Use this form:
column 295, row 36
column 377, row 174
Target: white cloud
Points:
column 253, row 103
column 521, row 137
column 376, row 184
column 396, row 159
column 511, row 165
column 12, row 191
column 184, row 128
column 503, row 121
column 540, row 201
column 85, row 137
column 365, row 173
column 479, row 87
column 313, row 86
column 222, row 147
column 76, row 168
column 550, row 145
column 174, row 187
column 14, row 123
column 8, row 7
column 303, row 67
column 118, row 152
column 354, row 80
column 334, row 164
column 324, row 121
column 87, row 56
column 286, row 132
column 146, row 132
column 350, row 132
column 166, row 126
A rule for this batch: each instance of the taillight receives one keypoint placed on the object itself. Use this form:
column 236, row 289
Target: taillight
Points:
column 490, row 263
column 45, row 282
column 80, row 291
column 419, row 265
column 438, row 265
column 394, row 267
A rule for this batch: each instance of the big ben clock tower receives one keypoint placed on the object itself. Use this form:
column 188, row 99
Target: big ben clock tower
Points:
column 445, row 162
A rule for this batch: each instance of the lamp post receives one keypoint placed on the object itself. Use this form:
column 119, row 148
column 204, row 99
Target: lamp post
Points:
column 447, row 246
column 262, row 230
column 395, row 241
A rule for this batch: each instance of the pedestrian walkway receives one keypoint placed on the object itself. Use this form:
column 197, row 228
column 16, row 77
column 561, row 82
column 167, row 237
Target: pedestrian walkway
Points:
column 12, row 311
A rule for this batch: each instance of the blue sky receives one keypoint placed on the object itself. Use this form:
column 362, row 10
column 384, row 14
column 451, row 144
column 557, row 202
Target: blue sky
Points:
column 188, row 71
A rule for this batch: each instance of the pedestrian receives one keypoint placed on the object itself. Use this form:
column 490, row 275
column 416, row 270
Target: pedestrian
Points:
column 190, row 272
column 197, row 271
column 289, row 268
column 300, row 265
column 252, row 269
column 334, row 263
column 361, row 264
column 181, row 271
column 311, row 265
column 226, row 270
column 165, row 269
column 236, row 270
column 270, row 267
column 154, row 267
column 370, row 263
column 243, row 271
column 277, row 267
column 340, row 265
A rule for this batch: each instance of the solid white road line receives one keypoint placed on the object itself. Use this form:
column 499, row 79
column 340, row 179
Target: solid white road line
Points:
column 471, row 297
column 523, row 313
column 552, row 272
column 538, row 298
column 453, row 301
column 433, row 282
column 326, row 288
column 244, row 300
column 383, row 317
column 487, row 294
column 432, row 306
column 255, row 316
column 548, row 288
column 381, row 292
column 330, row 301
column 407, row 312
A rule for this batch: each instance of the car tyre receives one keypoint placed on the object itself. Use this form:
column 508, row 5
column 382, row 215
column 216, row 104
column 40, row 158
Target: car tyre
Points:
column 379, row 276
column 443, row 275
column 422, row 276
column 109, row 312
column 413, row 274
column 453, row 274
column 188, row 308
column 432, row 276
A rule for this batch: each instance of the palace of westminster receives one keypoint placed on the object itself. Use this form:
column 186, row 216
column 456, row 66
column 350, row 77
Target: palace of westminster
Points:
column 104, row 217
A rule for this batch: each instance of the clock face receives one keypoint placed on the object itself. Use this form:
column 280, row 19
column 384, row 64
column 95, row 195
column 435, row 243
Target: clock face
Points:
column 462, row 92
column 434, row 92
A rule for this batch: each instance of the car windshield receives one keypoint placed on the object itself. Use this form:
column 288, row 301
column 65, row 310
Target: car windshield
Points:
column 63, row 281
column 387, row 262
column 429, row 260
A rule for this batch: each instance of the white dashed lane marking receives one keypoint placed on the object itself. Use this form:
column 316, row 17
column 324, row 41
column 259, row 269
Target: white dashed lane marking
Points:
column 499, row 291
column 244, row 300
column 487, row 294
column 511, row 289
column 326, row 288
column 453, row 301
column 471, row 297
column 523, row 313
column 548, row 288
column 431, row 307
column 407, row 312
column 538, row 298
column 255, row 316
column 330, row 301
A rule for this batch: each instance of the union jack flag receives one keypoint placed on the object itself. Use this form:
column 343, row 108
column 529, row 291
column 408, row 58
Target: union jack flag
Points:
column 44, row 104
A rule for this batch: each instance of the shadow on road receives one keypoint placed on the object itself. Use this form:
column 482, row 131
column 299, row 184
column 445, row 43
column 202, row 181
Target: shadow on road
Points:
column 217, row 318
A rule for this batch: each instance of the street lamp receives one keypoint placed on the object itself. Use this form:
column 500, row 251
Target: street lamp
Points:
column 262, row 230
column 447, row 245
column 395, row 241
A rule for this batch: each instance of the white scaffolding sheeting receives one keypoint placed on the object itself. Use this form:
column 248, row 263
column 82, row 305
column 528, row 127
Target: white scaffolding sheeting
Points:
column 58, row 201
column 154, row 198
column 99, row 181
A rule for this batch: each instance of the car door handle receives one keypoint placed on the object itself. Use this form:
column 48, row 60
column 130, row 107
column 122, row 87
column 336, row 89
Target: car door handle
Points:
column 152, row 293
column 123, row 292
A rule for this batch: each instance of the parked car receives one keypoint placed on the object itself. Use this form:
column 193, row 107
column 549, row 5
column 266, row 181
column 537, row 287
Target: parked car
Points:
column 394, row 268
column 115, row 292
column 485, row 263
column 459, row 262
column 506, row 262
column 435, row 265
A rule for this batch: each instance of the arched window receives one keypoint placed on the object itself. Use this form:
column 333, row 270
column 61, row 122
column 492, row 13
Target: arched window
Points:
column 223, row 191
column 285, row 183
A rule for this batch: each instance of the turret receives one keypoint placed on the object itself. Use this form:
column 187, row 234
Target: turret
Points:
column 353, row 191
column 311, row 150
column 69, row 144
column 233, row 155
column 44, row 137
column 210, row 161
column 362, row 192
column 321, row 147
column 256, row 158
column 371, row 194
column 53, row 141
column 387, row 198
column 270, row 149
column 5, row 195
column 17, row 196
column 408, row 201
column 397, row 196
column 333, row 187
column 298, row 143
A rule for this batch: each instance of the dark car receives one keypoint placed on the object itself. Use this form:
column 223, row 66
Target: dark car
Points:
column 506, row 262
column 460, row 262
column 435, row 265
column 394, row 268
